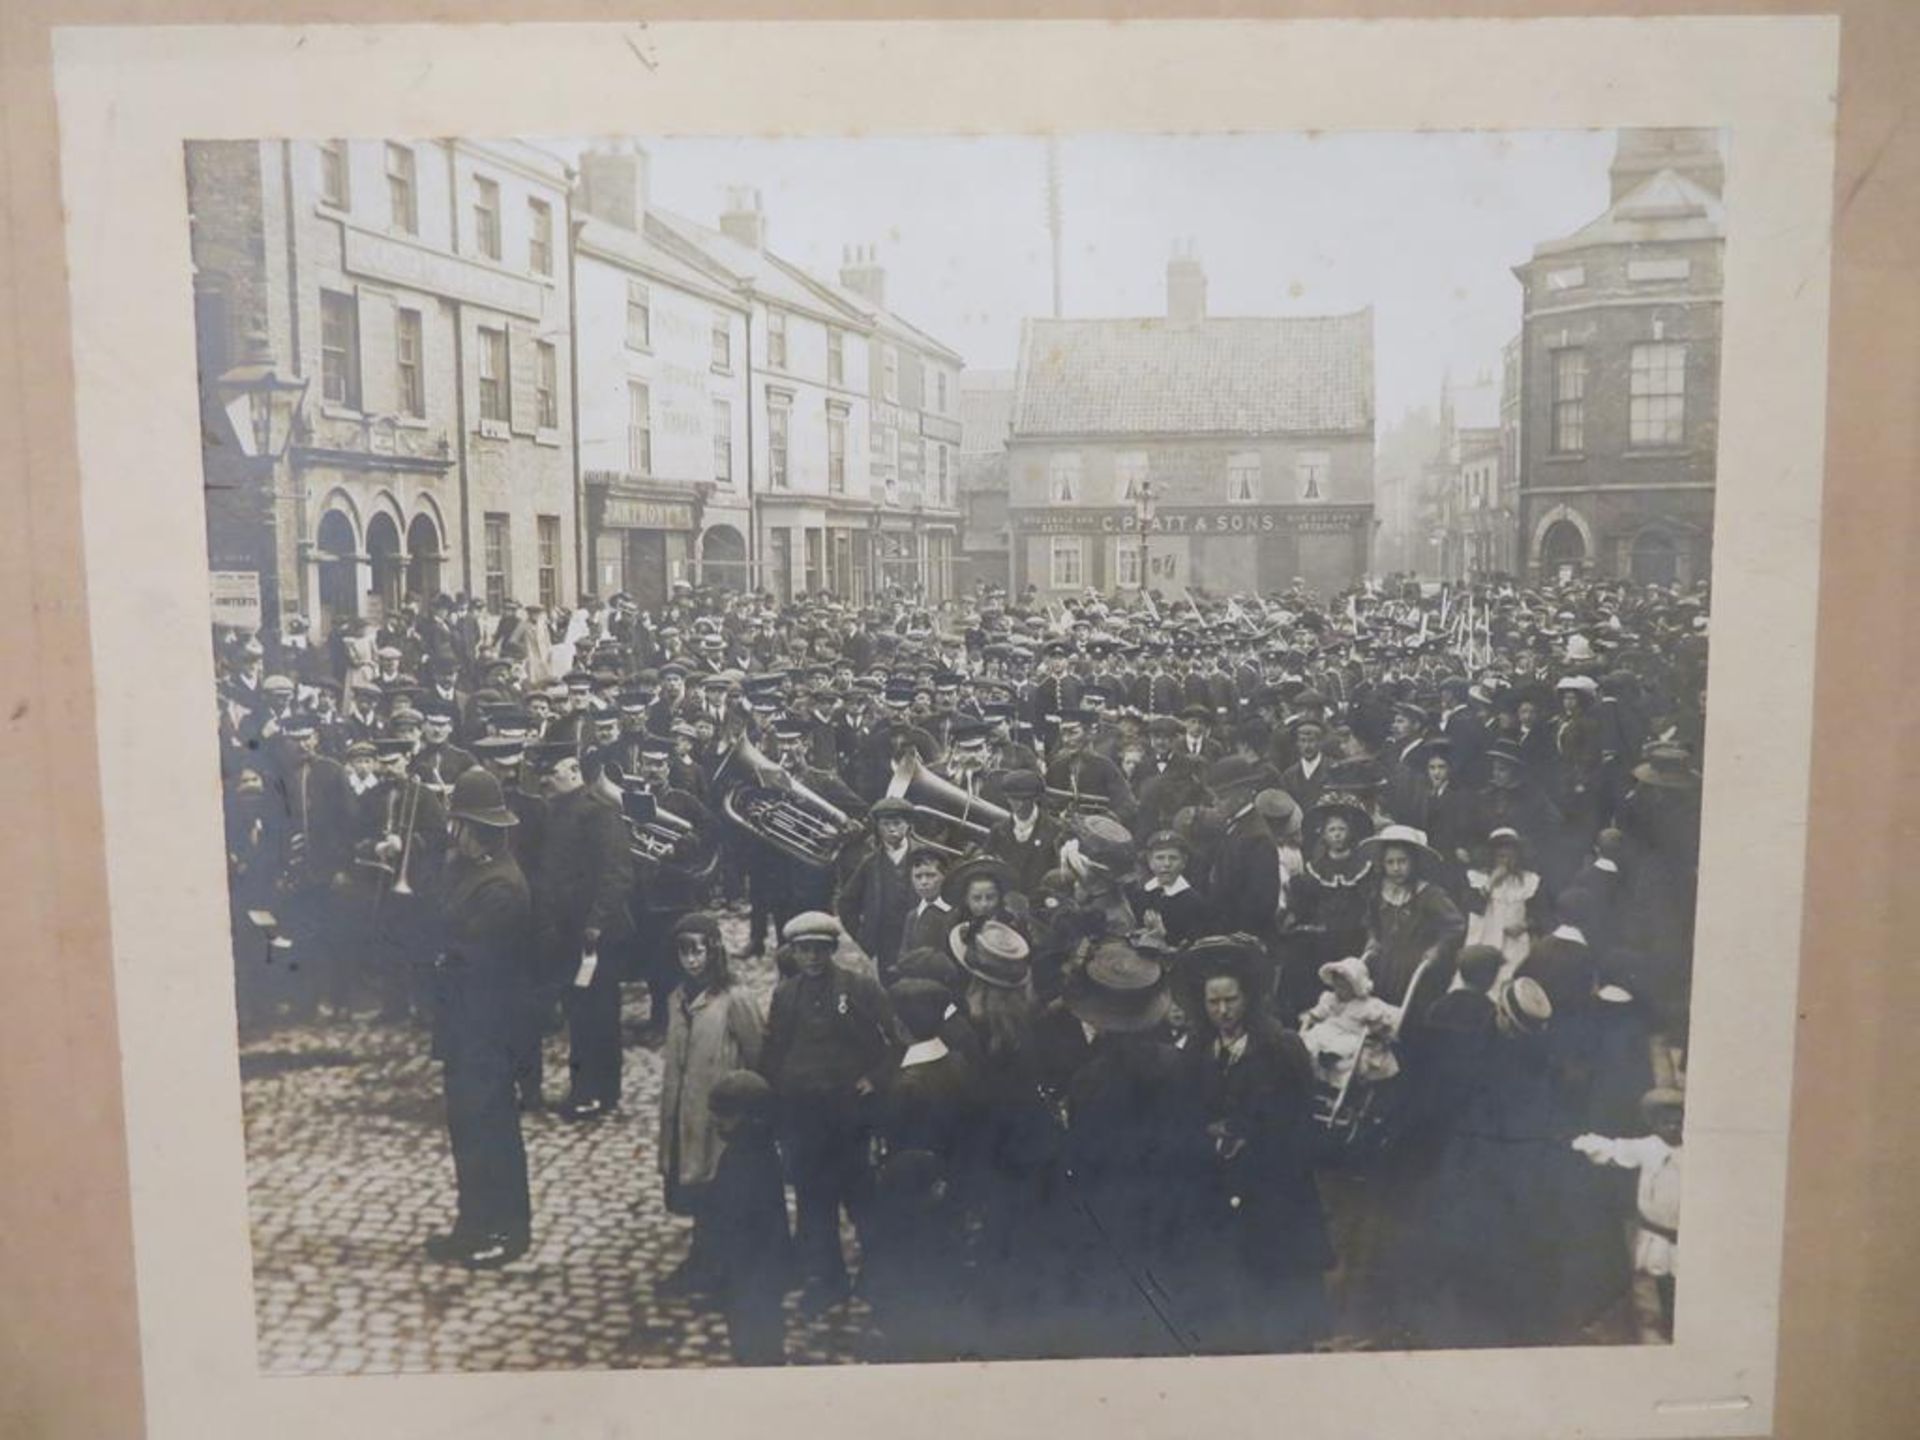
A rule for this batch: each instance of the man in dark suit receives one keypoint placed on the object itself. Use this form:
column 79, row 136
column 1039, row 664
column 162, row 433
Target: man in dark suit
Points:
column 1080, row 771
column 1306, row 778
column 1245, row 882
column 485, row 929
column 585, row 882
column 1029, row 840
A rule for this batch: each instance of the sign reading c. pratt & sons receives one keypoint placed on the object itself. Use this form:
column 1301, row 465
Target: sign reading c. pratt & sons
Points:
column 1194, row 520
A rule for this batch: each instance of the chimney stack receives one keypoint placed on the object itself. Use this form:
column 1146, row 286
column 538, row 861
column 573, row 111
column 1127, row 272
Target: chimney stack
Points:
column 861, row 273
column 1640, row 154
column 743, row 220
column 1186, row 286
column 613, row 185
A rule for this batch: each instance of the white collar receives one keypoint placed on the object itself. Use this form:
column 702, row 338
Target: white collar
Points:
column 1023, row 829
column 924, row 1052
column 897, row 855
column 1570, row 932
column 1307, row 767
column 1178, row 887
column 1603, row 863
column 1235, row 1050
column 1613, row 994
column 934, row 904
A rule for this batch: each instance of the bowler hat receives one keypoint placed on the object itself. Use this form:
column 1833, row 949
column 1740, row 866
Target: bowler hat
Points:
column 477, row 799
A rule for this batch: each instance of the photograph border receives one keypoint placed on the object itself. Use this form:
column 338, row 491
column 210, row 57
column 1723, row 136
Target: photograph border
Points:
column 1769, row 83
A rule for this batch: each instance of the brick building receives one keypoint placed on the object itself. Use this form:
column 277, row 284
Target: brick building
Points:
column 1618, row 372
column 421, row 287
column 1252, row 437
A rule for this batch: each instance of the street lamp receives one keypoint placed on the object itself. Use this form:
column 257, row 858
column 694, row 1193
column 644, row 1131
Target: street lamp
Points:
column 260, row 403
column 1143, row 507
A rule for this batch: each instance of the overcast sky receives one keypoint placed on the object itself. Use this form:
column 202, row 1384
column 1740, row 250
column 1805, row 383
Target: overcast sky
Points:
column 1424, row 227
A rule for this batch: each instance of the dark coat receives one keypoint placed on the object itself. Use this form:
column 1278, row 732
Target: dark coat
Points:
column 1029, row 860
column 1245, row 883
column 824, row 1034
column 587, row 868
column 873, row 903
column 1264, row 1098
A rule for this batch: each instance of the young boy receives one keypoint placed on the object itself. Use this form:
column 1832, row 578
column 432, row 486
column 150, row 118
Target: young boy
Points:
column 745, row 1212
column 1166, row 893
column 1656, row 1247
column 931, row 917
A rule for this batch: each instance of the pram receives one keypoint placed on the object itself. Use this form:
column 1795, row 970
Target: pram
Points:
column 1356, row 1120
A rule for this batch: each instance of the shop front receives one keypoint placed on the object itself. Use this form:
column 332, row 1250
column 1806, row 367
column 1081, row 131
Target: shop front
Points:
column 1221, row 550
column 641, row 537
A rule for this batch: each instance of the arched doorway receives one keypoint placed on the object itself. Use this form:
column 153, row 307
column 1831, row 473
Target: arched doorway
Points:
column 723, row 558
column 1562, row 548
column 1656, row 558
column 389, row 568
column 423, row 558
column 337, row 549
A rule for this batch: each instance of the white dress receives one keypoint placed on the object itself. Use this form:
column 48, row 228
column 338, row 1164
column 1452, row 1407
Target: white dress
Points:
column 1503, row 924
column 1658, row 1195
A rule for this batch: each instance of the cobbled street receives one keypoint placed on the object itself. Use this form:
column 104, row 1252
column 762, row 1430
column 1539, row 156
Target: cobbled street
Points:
column 349, row 1173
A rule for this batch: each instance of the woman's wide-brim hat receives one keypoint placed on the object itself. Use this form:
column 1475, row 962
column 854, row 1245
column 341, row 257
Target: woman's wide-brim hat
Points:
column 1103, row 840
column 996, row 954
column 1406, row 837
column 478, row 799
column 1119, row 990
column 1344, row 806
column 1239, row 955
column 954, row 888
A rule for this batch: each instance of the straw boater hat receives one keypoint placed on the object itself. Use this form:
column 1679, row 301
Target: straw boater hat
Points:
column 1664, row 766
column 1404, row 836
column 996, row 955
column 1522, row 1008
column 478, row 799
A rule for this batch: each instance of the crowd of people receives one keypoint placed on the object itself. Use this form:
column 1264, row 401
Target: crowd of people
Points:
column 1153, row 976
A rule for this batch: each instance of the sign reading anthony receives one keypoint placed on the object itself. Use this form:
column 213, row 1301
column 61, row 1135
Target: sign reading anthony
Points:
column 1195, row 520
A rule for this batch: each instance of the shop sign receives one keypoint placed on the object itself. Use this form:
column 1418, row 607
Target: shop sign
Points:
column 626, row 513
column 236, row 598
column 1201, row 520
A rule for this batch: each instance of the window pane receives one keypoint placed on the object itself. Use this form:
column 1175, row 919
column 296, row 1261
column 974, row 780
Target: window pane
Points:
column 722, row 343
column 407, row 339
column 548, row 382
column 540, row 237
column 493, row 375
column 639, row 315
column 723, row 442
column 486, row 217
column 340, row 349
column 639, row 428
column 400, row 192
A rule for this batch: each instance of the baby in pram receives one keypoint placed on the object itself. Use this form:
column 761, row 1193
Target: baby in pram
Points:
column 1349, row 1031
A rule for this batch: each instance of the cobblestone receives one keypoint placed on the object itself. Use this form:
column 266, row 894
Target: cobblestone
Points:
column 349, row 1173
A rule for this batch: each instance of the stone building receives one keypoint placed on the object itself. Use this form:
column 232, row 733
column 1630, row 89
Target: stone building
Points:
column 1618, row 371
column 420, row 288
column 663, row 396
column 1249, row 439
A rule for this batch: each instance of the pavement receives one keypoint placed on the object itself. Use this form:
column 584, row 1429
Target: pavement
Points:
column 349, row 1173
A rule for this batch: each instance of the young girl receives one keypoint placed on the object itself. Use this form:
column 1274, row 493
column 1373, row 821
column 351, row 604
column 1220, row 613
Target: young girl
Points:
column 1506, row 903
column 712, row 1029
column 1350, row 1030
column 1656, row 1247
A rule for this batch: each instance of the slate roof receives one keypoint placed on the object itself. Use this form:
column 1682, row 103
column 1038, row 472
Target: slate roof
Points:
column 1238, row 376
column 1664, row 207
column 986, row 411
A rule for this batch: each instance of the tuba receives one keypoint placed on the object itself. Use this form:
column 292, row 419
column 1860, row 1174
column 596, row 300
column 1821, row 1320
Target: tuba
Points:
column 666, row 841
column 765, row 801
column 934, row 798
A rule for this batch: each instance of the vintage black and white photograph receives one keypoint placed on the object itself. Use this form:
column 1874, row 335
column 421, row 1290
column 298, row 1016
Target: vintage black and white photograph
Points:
column 848, row 750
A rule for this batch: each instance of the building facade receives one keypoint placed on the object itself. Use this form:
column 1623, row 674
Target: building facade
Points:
column 421, row 289
column 986, row 423
column 1190, row 452
column 1618, row 372
column 915, row 448
column 663, row 398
